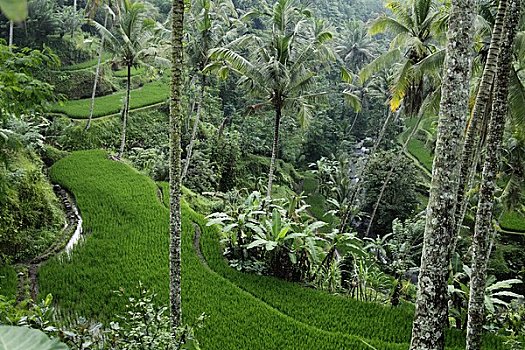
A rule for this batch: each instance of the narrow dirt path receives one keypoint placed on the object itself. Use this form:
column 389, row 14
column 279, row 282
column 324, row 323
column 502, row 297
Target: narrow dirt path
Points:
column 197, row 244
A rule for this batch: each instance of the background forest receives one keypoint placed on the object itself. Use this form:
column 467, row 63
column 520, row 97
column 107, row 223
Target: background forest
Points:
column 308, row 141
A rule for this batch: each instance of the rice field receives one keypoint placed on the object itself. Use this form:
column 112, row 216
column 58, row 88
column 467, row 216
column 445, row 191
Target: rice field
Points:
column 127, row 242
column 8, row 281
column 149, row 94
column 87, row 64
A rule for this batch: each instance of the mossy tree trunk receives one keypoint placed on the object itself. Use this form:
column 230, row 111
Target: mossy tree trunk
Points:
column 175, row 163
column 483, row 230
column 275, row 146
column 481, row 104
column 430, row 320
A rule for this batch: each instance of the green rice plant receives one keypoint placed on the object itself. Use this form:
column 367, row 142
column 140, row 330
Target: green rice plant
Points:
column 419, row 150
column 8, row 281
column 335, row 313
column 512, row 221
column 123, row 73
column 127, row 242
column 149, row 94
column 87, row 64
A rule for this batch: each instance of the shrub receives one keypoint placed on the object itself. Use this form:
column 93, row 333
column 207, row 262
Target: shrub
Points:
column 78, row 84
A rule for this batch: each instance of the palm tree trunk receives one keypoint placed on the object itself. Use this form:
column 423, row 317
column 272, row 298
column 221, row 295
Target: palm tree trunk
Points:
column 483, row 231
column 193, row 136
column 225, row 121
column 390, row 173
column 357, row 186
column 471, row 180
column 430, row 319
column 75, row 5
column 125, row 113
column 479, row 110
column 97, row 74
column 11, row 27
column 275, row 147
column 175, row 164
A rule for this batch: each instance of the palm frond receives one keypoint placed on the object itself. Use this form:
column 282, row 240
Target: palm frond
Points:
column 234, row 59
column 384, row 61
column 384, row 24
column 431, row 65
column 352, row 100
column 402, row 83
column 517, row 99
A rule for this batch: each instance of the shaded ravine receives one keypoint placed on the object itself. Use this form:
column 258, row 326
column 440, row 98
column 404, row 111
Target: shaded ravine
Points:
column 65, row 242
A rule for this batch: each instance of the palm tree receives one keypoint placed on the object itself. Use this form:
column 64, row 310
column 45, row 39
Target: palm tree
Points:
column 177, row 32
column 280, row 64
column 94, row 4
column 430, row 318
column 483, row 230
column 354, row 46
column 213, row 24
column 417, row 27
column 481, row 105
column 131, row 41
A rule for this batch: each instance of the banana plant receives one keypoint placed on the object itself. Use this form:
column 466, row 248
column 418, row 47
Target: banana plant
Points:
column 239, row 222
column 23, row 338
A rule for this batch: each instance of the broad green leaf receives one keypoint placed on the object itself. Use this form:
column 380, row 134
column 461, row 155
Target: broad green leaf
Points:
column 504, row 284
column 296, row 235
column 256, row 243
column 229, row 227
column 257, row 229
column 346, row 76
column 283, row 232
column 15, row 10
column 23, row 338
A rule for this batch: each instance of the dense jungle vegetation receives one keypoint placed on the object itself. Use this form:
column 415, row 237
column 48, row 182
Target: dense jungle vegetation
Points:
column 271, row 174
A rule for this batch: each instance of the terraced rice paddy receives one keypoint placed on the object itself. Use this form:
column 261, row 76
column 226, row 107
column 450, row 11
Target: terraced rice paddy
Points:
column 127, row 242
column 149, row 94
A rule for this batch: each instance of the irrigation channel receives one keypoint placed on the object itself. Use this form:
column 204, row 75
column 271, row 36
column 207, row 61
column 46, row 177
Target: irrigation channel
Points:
column 69, row 237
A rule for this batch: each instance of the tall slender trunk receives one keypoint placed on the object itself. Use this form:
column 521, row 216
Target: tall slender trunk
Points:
column 97, row 74
column 11, row 28
column 275, row 147
column 222, row 126
column 430, row 319
column 390, row 173
column 483, row 231
column 175, row 163
column 75, row 5
column 478, row 112
column 356, row 188
column 471, row 180
column 193, row 136
column 125, row 113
